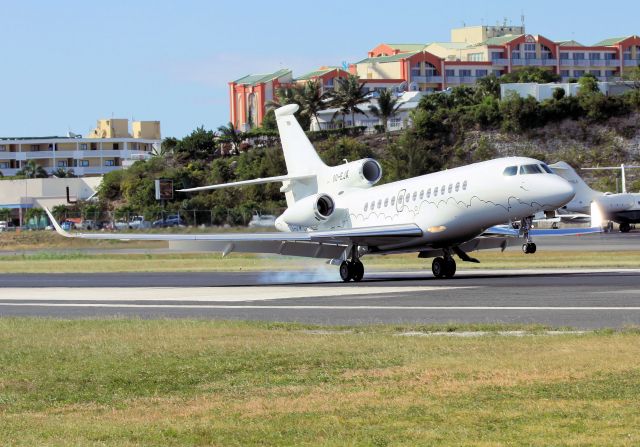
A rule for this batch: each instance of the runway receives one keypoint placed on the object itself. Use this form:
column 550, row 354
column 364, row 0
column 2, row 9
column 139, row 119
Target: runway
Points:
column 582, row 299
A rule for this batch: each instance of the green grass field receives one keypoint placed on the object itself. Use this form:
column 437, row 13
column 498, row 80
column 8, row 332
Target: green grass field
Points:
column 52, row 262
column 131, row 382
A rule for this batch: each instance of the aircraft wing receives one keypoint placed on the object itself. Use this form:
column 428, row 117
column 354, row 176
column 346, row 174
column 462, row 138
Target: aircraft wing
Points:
column 507, row 230
column 328, row 244
column 256, row 181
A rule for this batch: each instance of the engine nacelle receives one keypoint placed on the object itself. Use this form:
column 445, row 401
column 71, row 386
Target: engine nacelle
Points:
column 309, row 211
column 357, row 174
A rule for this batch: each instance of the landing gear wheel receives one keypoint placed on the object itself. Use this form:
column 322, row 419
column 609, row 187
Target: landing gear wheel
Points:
column 529, row 248
column 625, row 227
column 438, row 267
column 357, row 271
column 449, row 268
column 346, row 271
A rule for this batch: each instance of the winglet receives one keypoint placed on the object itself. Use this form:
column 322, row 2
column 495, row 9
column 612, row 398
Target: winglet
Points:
column 55, row 224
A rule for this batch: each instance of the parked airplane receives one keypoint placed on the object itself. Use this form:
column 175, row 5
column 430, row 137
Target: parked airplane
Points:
column 337, row 213
column 623, row 208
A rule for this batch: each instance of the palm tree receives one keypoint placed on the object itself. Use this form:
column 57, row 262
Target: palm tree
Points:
column 386, row 108
column 348, row 94
column 63, row 173
column 285, row 95
column 32, row 170
column 311, row 100
column 230, row 133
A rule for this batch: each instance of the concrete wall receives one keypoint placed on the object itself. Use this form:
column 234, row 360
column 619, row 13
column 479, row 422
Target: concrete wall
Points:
column 47, row 192
column 545, row 91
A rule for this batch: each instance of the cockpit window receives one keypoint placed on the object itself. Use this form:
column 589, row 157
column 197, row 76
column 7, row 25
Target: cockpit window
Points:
column 546, row 168
column 530, row 169
column 511, row 170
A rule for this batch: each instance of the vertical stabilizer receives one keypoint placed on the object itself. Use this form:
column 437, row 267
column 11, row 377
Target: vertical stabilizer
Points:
column 299, row 154
column 581, row 202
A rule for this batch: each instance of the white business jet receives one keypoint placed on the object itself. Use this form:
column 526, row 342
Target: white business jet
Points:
column 623, row 208
column 337, row 213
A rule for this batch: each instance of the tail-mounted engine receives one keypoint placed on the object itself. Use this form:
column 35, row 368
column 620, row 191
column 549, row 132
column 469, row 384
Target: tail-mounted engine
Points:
column 310, row 211
column 357, row 174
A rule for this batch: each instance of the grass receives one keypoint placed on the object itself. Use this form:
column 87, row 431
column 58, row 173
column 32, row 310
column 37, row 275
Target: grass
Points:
column 50, row 261
column 130, row 382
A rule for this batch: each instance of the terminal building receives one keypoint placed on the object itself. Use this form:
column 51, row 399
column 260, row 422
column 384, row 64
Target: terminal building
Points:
column 108, row 147
column 473, row 52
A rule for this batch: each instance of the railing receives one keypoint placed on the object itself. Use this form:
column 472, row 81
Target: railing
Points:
column 500, row 61
column 426, row 79
column 461, row 79
column 9, row 172
column 631, row 62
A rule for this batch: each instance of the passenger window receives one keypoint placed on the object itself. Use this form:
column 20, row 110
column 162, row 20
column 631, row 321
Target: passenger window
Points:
column 442, row 190
column 393, row 201
column 415, row 195
column 421, row 194
column 464, row 185
column 546, row 168
column 509, row 171
column 366, row 206
column 530, row 169
column 428, row 192
column 457, row 186
column 450, row 188
column 435, row 192
column 379, row 203
column 386, row 201
column 407, row 197
column 373, row 205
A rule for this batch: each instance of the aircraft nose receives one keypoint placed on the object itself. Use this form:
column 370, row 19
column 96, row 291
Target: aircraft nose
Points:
column 560, row 191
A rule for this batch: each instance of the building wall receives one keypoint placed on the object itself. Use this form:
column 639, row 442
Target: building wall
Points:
column 477, row 34
column 47, row 192
column 111, row 128
column 380, row 70
column 149, row 130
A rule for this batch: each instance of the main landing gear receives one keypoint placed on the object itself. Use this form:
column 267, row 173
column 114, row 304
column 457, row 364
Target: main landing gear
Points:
column 624, row 227
column 353, row 269
column 443, row 267
column 528, row 247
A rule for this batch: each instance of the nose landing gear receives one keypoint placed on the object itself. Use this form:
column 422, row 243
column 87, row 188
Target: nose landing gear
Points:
column 525, row 226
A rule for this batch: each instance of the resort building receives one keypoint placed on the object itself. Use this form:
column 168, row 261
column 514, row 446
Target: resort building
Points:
column 108, row 147
column 474, row 52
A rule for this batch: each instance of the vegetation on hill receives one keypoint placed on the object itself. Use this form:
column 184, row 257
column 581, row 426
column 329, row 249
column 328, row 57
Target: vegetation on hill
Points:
column 463, row 125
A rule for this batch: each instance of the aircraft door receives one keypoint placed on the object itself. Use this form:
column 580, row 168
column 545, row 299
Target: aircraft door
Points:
column 400, row 200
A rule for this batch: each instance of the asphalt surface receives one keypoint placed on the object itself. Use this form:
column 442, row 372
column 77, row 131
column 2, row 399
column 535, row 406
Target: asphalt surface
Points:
column 583, row 299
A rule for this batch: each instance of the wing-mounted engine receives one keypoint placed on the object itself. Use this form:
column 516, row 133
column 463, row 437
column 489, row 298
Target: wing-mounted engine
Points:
column 310, row 211
column 356, row 174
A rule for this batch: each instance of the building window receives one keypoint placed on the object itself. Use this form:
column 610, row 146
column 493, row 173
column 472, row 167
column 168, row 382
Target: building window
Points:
column 465, row 73
column 4, row 165
column 578, row 73
column 627, row 55
column 481, row 73
column 609, row 56
column 498, row 73
column 116, row 146
column 84, row 163
column 594, row 56
column 610, row 73
column 450, row 72
column 530, row 47
column 495, row 55
column 578, row 56
column 595, row 72
column 475, row 57
column 109, row 163
column 564, row 56
column 35, row 147
column 62, row 163
column 3, row 148
column 564, row 73
column 83, row 146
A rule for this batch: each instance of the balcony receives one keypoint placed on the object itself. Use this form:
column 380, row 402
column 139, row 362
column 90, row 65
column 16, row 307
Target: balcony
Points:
column 631, row 62
column 9, row 172
column 461, row 79
column 427, row 79
column 534, row 62
column 504, row 62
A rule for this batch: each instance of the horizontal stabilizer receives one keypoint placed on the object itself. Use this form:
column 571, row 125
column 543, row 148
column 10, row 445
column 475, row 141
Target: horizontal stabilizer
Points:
column 256, row 181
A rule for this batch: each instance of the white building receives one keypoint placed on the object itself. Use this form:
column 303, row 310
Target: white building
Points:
column 109, row 147
column 332, row 118
column 545, row 91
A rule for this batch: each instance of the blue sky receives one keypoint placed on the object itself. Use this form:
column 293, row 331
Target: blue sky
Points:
column 67, row 63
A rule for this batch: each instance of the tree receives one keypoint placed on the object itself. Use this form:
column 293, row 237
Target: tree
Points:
column 311, row 100
column 558, row 93
column 231, row 135
column 64, row 173
column 199, row 145
column 530, row 74
column 348, row 95
column 32, row 170
column 488, row 86
column 386, row 108
column 632, row 76
column 588, row 84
